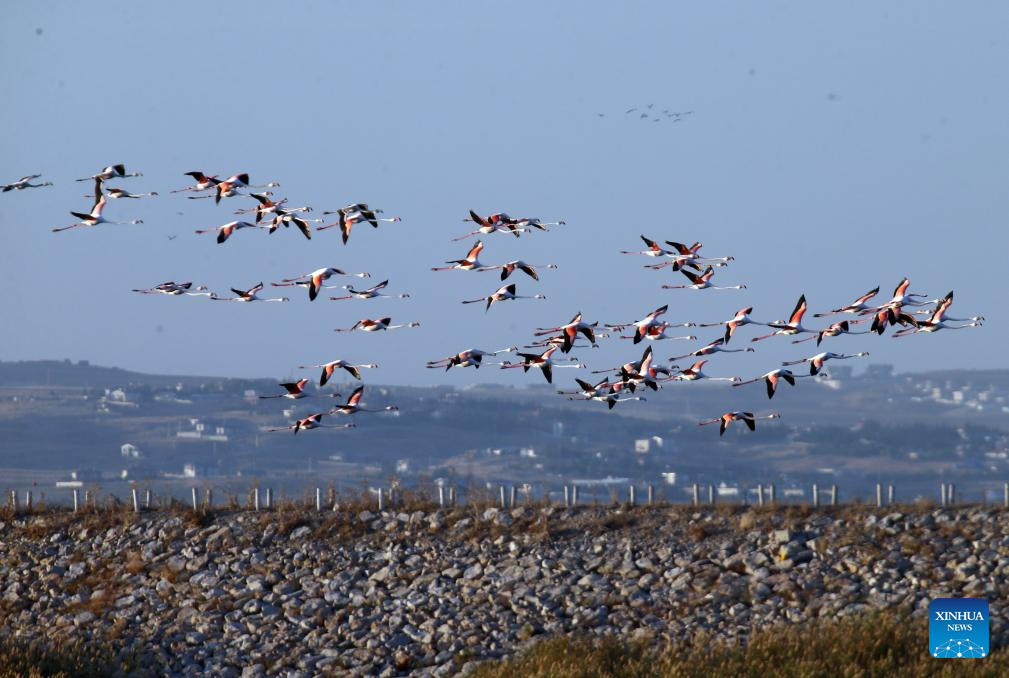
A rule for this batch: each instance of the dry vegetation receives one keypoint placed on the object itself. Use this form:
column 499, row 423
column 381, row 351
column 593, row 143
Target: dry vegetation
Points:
column 872, row 645
column 63, row 659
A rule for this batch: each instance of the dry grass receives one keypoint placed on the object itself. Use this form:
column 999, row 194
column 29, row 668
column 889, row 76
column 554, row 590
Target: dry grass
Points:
column 871, row 645
column 64, row 658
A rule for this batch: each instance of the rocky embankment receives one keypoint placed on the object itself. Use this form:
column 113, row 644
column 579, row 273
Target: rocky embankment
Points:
column 299, row 593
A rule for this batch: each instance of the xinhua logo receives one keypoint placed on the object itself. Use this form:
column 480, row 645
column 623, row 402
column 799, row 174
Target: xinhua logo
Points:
column 958, row 628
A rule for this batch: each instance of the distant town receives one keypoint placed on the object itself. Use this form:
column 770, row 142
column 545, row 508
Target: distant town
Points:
column 66, row 425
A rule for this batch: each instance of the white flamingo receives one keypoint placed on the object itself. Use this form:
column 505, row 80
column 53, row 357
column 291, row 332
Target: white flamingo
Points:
column 816, row 361
column 328, row 369
column 378, row 325
column 506, row 293
column 95, row 216
column 25, row 182
column 747, row 418
column 472, row 357
column 248, row 295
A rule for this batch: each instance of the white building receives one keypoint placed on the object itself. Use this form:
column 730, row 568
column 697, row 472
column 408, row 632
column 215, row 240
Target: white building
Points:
column 645, row 445
column 130, row 451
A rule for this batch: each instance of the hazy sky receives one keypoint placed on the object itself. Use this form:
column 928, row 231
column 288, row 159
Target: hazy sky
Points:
column 833, row 147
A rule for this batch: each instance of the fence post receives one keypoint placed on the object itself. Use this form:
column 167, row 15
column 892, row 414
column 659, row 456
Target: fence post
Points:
column 695, row 499
column 833, row 495
column 574, row 495
column 1005, row 495
column 452, row 497
column 816, row 496
column 889, row 495
column 28, row 501
column 631, row 498
column 255, row 499
column 136, row 501
column 567, row 499
column 711, row 494
column 14, row 501
column 441, row 497
column 381, row 499
column 760, row 494
column 512, row 495
column 147, row 498
column 651, row 495
column 269, row 498
column 942, row 494
column 879, row 495
column 501, row 496
column 318, row 499
column 209, row 497
column 195, row 505
column 951, row 494
column 770, row 494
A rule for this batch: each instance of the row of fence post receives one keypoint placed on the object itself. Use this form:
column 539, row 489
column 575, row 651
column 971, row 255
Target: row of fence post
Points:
column 507, row 497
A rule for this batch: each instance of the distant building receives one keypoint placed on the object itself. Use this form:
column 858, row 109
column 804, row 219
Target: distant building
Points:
column 86, row 475
column 669, row 477
column 403, row 466
column 130, row 451
column 199, row 431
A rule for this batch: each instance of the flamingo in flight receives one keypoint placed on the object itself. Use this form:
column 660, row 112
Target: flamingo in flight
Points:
column 224, row 232
column 857, row 306
column 176, row 289
column 654, row 249
column 25, row 182
column 379, row 325
column 354, row 214
column 741, row 318
column 510, row 267
column 267, row 206
column 372, row 292
column 639, row 372
column 543, row 361
column 287, row 218
column 535, row 222
column 901, row 297
column 353, row 405
column 696, row 372
column 937, row 321
column 314, row 280
column 95, row 216
column 332, row 366
column 772, row 379
column 570, row 331
column 643, row 327
column 701, row 282
column 116, row 193
column 470, row 262
column 833, row 330
column 506, row 293
column 295, row 391
column 310, row 422
column 248, row 295
column 716, row 346
column 598, row 392
column 891, row 315
column 495, row 223
column 112, row 172
column 792, row 327
column 203, row 182
column 747, row 418
column 657, row 332
column 816, row 361
column 688, row 256
column 472, row 357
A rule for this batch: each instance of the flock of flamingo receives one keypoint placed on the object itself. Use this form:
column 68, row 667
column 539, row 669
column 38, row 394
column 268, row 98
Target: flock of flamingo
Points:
column 914, row 313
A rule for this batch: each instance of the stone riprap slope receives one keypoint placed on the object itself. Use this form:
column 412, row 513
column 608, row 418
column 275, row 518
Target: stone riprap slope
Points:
column 300, row 593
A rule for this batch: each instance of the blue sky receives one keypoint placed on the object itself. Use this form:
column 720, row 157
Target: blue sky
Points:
column 832, row 148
